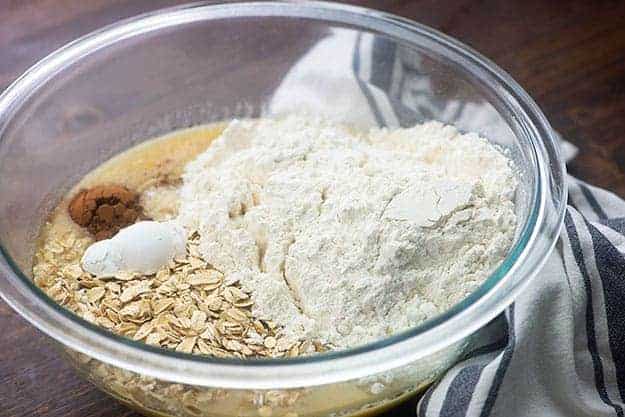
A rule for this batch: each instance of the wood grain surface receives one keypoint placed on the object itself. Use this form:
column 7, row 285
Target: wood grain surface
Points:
column 569, row 55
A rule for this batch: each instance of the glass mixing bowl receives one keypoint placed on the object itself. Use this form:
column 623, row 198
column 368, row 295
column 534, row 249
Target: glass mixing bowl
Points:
column 206, row 62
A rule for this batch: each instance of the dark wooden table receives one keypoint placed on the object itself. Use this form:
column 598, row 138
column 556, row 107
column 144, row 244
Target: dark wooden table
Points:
column 569, row 55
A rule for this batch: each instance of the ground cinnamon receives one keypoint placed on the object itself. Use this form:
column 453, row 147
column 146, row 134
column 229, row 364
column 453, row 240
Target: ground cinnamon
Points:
column 105, row 209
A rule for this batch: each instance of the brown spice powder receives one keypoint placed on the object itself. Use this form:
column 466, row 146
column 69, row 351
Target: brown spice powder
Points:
column 105, row 209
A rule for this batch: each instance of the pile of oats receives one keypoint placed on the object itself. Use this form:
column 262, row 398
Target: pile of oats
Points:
column 187, row 306
column 190, row 307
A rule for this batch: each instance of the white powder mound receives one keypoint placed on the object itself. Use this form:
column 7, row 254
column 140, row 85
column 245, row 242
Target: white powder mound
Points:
column 348, row 237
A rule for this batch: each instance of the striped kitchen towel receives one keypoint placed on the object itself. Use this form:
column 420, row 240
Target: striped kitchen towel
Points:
column 562, row 348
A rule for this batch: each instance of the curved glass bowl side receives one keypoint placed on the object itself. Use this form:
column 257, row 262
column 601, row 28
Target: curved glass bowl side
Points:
column 365, row 396
column 410, row 346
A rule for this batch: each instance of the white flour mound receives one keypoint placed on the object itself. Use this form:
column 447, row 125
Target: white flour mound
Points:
column 348, row 237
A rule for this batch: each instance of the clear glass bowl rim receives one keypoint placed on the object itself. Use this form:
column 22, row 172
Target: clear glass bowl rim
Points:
column 496, row 293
